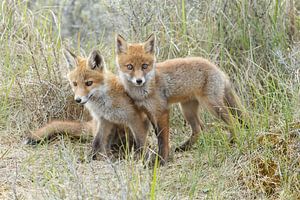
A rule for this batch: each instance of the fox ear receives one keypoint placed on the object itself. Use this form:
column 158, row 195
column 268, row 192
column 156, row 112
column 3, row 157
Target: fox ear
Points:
column 71, row 58
column 150, row 44
column 95, row 60
column 121, row 44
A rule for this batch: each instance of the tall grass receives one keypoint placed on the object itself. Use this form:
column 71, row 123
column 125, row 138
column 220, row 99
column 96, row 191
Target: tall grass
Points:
column 255, row 42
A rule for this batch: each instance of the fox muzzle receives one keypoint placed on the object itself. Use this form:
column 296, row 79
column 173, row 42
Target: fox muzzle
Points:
column 81, row 100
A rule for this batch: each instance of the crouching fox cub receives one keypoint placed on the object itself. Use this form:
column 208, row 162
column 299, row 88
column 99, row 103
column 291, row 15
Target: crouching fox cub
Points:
column 102, row 93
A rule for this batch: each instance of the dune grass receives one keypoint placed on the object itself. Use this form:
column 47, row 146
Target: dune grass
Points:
column 255, row 42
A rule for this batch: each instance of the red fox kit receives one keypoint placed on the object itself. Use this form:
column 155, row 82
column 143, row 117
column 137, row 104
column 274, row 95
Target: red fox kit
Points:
column 104, row 96
column 102, row 93
column 189, row 81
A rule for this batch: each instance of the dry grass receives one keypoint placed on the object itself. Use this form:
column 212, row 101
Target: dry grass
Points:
column 53, row 171
column 256, row 43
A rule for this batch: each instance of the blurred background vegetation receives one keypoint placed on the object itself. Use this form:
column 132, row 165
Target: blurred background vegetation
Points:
column 255, row 42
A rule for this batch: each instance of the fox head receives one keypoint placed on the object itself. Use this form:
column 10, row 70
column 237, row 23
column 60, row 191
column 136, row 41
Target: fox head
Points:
column 86, row 74
column 136, row 61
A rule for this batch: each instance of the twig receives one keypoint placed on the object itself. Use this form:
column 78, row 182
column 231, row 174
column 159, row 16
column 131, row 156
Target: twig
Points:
column 15, row 183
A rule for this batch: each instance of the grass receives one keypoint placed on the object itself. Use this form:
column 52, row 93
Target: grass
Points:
column 251, row 41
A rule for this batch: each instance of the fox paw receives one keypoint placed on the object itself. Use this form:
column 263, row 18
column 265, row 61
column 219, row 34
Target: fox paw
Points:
column 30, row 141
column 184, row 147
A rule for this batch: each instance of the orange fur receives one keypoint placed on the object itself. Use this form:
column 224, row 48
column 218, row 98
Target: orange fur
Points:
column 104, row 96
column 192, row 82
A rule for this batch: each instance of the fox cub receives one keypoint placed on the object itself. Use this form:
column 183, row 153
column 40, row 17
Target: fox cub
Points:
column 192, row 82
column 104, row 96
column 102, row 93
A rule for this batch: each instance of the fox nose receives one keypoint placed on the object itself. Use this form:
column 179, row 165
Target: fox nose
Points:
column 78, row 99
column 139, row 81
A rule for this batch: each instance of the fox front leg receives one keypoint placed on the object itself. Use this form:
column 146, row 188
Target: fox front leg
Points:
column 100, row 143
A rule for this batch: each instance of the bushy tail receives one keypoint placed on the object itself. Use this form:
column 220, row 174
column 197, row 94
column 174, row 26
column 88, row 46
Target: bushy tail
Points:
column 52, row 129
column 233, row 102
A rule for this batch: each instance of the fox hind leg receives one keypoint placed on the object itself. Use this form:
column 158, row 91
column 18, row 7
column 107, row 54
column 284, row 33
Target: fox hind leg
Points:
column 190, row 111
column 222, row 112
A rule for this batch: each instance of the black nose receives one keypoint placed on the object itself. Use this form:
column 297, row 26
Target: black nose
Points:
column 78, row 99
column 139, row 81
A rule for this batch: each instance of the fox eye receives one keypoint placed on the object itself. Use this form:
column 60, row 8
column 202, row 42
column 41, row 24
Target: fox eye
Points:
column 129, row 67
column 144, row 66
column 75, row 84
column 89, row 83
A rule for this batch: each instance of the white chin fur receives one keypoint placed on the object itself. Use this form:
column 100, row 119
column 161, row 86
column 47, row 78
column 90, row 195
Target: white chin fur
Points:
column 137, row 85
column 84, row 100
column 125, row 78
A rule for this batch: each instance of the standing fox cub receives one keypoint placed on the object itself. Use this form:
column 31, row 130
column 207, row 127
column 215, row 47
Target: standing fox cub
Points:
column 189, row 81
column 102, row 93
